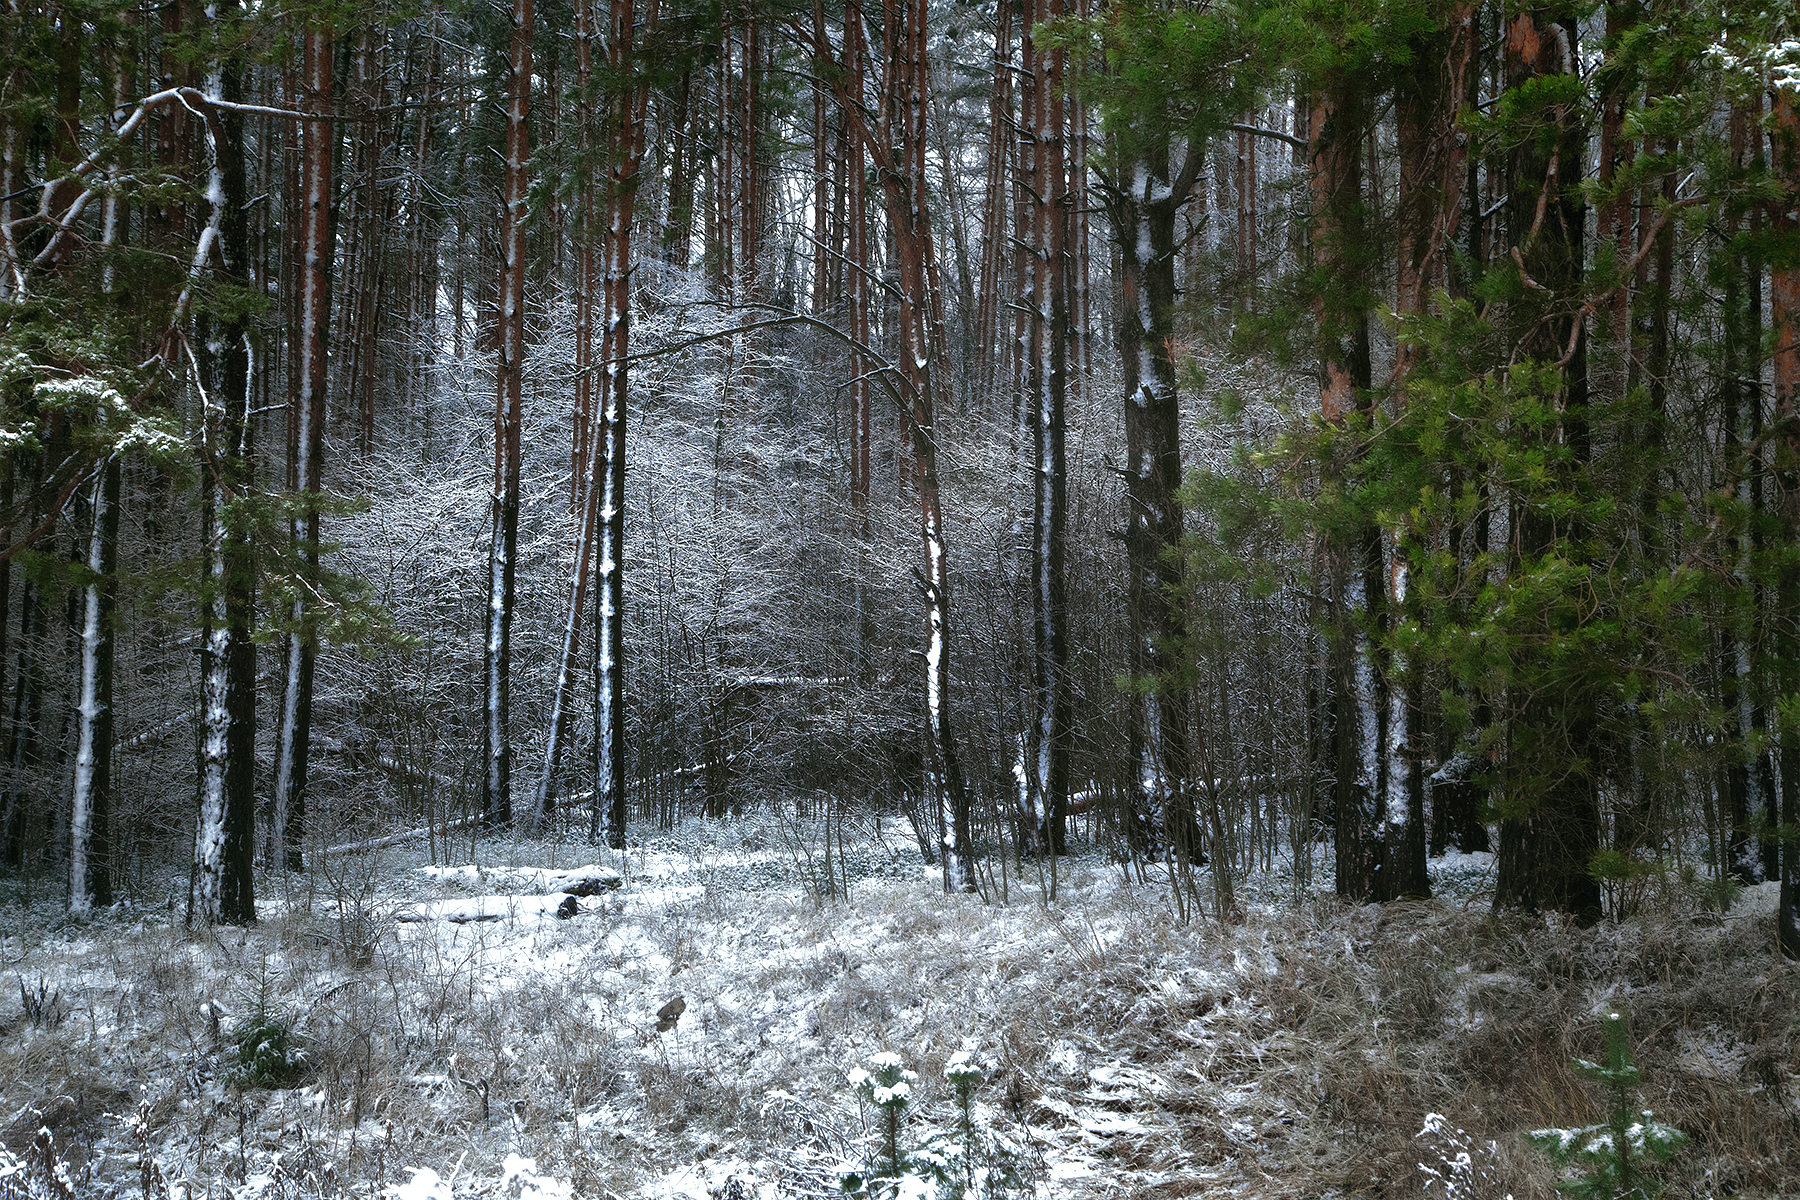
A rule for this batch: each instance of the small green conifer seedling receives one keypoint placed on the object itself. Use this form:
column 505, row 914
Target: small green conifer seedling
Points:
column 1617, row 1157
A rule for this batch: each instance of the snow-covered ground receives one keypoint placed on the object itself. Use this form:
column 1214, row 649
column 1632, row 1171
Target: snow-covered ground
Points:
column 473, row 1029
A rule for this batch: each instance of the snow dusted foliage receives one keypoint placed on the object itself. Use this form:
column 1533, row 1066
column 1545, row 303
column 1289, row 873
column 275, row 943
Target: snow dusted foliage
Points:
column 519, row 1180
column 1067, row 1050
column 1455, row 1165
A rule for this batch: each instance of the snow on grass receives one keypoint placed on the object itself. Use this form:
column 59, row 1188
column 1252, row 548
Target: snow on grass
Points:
column 1131, row 1054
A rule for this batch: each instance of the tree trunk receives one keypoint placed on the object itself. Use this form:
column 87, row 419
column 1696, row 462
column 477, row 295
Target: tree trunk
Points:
column 1355, row 587
column 1048, row 334
column 1550, row 815
column 1751, row 779
column 1784, row 309
column 90, row 807
column 309, row 412
column 496, row 780
column 223, row 887
column 1143, row 211
column 995, row 212
column 90, row 810
column 583, row 495
column 626, row 131
column 1426, row 107
column 897, row 147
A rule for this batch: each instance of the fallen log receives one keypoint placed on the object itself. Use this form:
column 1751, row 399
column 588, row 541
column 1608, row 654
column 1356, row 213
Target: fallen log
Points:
column 396, row 839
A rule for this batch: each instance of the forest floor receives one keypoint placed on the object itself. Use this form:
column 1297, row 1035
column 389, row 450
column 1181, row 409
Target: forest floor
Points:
column 369, row 1038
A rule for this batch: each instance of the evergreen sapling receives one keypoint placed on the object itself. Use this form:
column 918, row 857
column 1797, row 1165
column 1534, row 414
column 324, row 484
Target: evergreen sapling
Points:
column 1615, row 1157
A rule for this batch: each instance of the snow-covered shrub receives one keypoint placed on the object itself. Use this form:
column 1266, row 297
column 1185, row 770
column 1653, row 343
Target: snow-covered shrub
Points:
column 1616, row 1156
column 981, row 1163
column 964, row 1163
column 266, row 1050
column 1455, row 1167
column 268, row 1053
column 888, row 1085
column 41, row 1174
column 519, row 1180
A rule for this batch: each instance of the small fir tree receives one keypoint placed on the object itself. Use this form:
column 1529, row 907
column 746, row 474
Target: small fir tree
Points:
column 1615, row 1157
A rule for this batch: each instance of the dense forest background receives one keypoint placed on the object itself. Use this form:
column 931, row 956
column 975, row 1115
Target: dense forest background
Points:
column 1228, row 431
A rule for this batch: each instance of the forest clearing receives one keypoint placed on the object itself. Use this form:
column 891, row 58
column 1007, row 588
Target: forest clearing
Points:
column 1117, row 1052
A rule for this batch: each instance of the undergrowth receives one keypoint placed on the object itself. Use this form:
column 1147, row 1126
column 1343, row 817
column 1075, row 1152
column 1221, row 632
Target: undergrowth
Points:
column 1313, row 1050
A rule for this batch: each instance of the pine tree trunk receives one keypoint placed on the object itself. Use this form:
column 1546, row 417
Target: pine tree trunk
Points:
column 626, row 131
column 1550, row 816
column 995, row 212
column 1750, row 776
column 897, row 147
column 223, row 887
column 1048, row 333
column 90, row 809
column 1784, row 309
column 1143, row 211
column 309, row 411
column 1426, row 107
column 90, row 840
column 24, row 745
column 1355, row 588
column 496, row 781
column 583, row 494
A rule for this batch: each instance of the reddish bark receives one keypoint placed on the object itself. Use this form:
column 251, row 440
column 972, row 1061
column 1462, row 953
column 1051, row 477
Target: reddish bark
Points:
column 496, row 779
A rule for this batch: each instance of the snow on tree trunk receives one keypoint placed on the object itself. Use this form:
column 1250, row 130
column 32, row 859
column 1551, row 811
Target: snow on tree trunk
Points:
column 90, row 846
column 206, row 886
column 1048, row 332
column 295, row 736
column 222, row 887
column 626, row 131
column 90, row 858
column 896, row 144
column 496, row 779
column 1143, row 216
column 585, row 495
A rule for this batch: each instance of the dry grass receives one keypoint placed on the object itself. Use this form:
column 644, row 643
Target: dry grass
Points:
column 1295, row 1055
column 1349, row 1026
